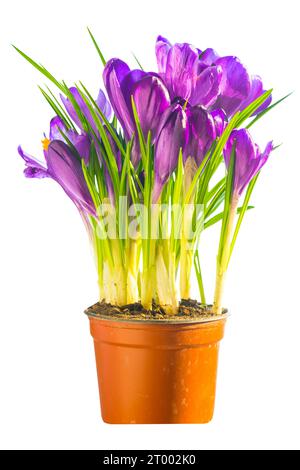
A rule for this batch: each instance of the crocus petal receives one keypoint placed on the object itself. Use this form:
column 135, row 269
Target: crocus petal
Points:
column 244, row 146
column 128, row 83
column 265, row 154
column 104, row 104
column 66, row 169
column 220, row 120
column 34, row 168
column 80, row 141
column 207, row 87
column 56, row 123
column 135, row 152
column 113, row 75
column 209, row 56
column 82, row 144
column 181, row 68
column 109, row 186
column 234, row 86
column 162, row 48
column 249, row 159
column 70, row 108
column 256, row 91
column 172, row 137
column 202, row 133
column 151, row 99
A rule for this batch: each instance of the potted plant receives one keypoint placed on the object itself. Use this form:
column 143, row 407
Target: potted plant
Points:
column 150, row 165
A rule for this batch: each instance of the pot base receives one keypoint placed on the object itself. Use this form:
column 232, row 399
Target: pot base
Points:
column 156, row 373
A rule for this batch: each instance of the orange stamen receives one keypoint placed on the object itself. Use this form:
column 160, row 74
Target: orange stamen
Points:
column 45, row 143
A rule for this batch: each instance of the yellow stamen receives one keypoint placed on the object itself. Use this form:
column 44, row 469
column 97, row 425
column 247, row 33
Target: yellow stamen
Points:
column 45, row 143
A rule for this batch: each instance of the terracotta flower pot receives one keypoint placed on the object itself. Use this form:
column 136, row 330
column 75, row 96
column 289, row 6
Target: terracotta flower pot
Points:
column 154, row 372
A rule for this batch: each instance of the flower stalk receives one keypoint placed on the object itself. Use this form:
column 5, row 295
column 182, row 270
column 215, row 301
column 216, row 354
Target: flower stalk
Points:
column 187, row 245
column 223, row 257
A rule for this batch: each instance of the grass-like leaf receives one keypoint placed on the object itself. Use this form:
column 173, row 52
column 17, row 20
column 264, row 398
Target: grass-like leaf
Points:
column 137, row 61
column 265, row 111
column 243, row 211
column 97, row 48
column 199, row 277
column 218, row 217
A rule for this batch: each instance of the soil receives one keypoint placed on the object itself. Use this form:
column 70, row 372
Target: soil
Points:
column 189, row 310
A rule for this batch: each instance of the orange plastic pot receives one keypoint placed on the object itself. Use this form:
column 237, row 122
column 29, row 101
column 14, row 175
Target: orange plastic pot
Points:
column 153, row 372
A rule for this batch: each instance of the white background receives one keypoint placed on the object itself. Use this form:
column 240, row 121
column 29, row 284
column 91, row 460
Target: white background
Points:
column 48, row 388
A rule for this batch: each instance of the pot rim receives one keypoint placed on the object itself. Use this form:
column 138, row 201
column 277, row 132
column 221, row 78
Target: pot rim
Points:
column 185, row 321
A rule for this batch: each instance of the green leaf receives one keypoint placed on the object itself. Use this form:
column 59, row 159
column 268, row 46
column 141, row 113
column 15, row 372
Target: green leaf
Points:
column 141, row 137
column 216, row 201
column 199, row 277
column 40, row 68
column 90, row 185
column 228, row 198
column 265, row 111
column 57, row 108
column 97, row 48
column 252, row 107
column 195, row 179
column 137, row 61
column 125, row 169
column 243, row 211
column 110, row 129
column 210, row 194
column 176, row 199
column 218, row 217
column 108, row 155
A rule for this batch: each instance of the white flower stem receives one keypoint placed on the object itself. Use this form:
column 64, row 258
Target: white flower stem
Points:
column 223, row 258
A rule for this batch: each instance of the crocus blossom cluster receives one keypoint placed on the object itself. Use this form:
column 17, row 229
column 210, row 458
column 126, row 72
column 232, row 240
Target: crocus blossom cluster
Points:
column 185, row 105
column 152, row 131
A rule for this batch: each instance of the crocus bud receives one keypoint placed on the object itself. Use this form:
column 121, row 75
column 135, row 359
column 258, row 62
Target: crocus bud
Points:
column 202, row 133
column 249, row 159
column 118, row 80
column 173, row 136
column 151, row 99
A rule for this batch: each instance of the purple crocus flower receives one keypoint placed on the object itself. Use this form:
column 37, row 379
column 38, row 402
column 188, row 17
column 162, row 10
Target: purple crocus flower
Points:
column 34, row 168
column 66, row 169
column 205, row 78
column 184, row 74
column 150, row 95
column 58, row 131
column 119, row 80
column 102, row 104
column 202, row 133
column 249, row 159
column 172, row 137
column 62, row 165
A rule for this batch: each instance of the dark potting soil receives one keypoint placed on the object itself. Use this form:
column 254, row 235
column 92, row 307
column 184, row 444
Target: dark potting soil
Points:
column 189, row 310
